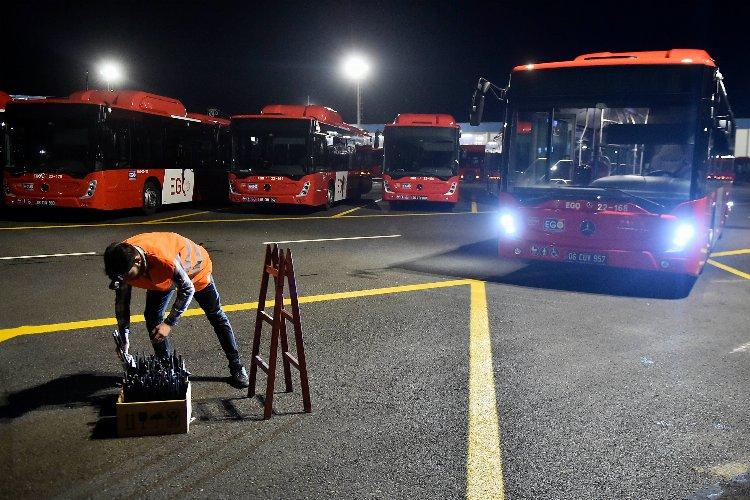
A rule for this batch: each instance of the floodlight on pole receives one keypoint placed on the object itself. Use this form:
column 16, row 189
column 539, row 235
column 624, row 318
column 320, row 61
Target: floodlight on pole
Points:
column 111, row 73
column 356, row 67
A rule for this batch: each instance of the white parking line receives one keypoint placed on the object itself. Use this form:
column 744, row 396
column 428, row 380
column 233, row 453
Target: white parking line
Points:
column 48, row 255
column 335, row 239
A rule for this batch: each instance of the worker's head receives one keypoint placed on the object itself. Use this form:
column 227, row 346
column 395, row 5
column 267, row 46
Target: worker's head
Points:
column 122, row 262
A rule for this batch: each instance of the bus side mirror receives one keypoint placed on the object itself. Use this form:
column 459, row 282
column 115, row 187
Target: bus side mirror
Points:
column 477, row 102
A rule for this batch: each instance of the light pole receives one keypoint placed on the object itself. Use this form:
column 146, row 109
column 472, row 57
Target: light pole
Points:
column 356, row 68
column 111, row 73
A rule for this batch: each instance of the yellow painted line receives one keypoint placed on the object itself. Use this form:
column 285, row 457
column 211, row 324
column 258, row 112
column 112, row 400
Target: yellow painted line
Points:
column 729, row 269
column 731, row 252
column 347, row 212
column 484, row 464
column 473, row 207
column 211, row 221
column 156, row 221
column 9, row 333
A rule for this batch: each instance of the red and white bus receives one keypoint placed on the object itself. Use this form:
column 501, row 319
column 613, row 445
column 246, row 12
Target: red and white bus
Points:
column 420, row 159
column 112, row 150
column 297, row 155
column 610, row 160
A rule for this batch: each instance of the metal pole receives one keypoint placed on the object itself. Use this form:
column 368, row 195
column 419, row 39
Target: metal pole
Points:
column 359, row 103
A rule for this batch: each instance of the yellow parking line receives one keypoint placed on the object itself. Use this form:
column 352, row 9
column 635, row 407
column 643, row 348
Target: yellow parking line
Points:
column 484, row 464
column 9, row 333
column 346, row 212
column 731, row 252
column 156, row 221
column 211, row 221
column 473, row 207
column 729, row 269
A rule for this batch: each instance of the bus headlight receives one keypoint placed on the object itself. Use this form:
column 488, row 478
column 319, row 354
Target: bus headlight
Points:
column 508, row 224
column 90, row 190
column 386, row 186
column 452, row 189
column 683, row 234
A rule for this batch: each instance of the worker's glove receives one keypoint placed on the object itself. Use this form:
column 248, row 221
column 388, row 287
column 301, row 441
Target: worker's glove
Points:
column 122, row 345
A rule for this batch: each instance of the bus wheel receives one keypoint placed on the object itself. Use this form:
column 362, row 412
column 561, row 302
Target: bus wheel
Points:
column 151, row 197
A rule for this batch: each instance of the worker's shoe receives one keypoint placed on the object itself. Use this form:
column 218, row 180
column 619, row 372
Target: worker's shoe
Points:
column 239, row 375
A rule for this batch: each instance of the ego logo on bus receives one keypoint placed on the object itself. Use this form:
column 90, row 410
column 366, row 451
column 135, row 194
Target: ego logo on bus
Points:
column 554, row 225
column 179, row 186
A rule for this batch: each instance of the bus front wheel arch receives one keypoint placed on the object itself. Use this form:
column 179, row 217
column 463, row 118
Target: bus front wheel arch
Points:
column 151, row 198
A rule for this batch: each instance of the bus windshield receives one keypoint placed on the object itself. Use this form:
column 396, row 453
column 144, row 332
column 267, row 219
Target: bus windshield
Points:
column 53, row 138
column 271, row 146
column 427, row 151
column 644, row 151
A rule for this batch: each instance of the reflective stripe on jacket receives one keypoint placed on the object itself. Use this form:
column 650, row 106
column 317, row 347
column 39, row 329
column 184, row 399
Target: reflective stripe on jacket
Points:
column 162, row 249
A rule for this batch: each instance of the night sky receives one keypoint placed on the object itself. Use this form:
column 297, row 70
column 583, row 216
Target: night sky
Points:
column 426, row 56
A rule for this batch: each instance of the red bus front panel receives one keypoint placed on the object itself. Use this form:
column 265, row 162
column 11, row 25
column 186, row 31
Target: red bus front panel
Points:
column 615, row 233
column 103, row 190
column 421, row 189
column 309, row 190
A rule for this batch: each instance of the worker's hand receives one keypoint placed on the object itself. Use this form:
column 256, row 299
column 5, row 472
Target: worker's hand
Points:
column 160, row 333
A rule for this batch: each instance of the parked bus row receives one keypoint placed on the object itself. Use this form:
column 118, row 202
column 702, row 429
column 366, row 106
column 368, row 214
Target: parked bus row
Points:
column 615, row 159
column 116, row 150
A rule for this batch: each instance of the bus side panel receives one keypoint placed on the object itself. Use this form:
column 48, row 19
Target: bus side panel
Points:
column 117, row 189
column 340, row 186
column 178, row 186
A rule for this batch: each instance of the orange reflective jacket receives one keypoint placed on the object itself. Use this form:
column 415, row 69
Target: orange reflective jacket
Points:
column 161, row 250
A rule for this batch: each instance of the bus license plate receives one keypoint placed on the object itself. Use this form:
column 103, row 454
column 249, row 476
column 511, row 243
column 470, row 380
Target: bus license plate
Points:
column 587, row 258
column 45, row 203
column 258, row 199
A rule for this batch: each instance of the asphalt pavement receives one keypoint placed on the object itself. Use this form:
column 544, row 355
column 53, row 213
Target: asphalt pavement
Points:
column 564, row 382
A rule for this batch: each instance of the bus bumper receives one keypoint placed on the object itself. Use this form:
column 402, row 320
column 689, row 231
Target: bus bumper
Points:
column 629, row 259
column 282, row 199
column 39, row 201
column 443, row 198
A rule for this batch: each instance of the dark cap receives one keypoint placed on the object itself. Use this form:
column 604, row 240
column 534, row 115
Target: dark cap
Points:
column 119, row 258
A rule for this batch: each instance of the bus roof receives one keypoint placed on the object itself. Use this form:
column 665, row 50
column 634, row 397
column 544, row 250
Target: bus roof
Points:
column 323, row 114
column 673, row 56
column 133, row 100
column 423, row 120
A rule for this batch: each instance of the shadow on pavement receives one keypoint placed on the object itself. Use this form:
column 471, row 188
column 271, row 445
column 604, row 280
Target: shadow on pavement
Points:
column 80, row 389
column 480, row 261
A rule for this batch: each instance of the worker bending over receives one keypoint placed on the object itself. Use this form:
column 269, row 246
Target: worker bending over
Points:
column 165, row 264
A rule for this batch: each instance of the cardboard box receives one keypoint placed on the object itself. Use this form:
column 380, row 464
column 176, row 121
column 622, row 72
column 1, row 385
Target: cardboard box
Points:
column 153, row 418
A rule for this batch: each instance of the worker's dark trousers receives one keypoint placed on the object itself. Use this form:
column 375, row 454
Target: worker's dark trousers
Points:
column 208, row 299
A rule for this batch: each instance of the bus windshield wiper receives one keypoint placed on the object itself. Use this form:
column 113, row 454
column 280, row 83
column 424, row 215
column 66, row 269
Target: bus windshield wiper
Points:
column 659, row 207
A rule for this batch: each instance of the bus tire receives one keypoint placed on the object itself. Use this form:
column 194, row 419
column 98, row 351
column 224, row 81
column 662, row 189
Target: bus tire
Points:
column 151, row 201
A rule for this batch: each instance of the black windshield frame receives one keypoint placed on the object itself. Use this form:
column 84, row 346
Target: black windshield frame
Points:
column 271, row 146
column 610, row 86
column 54, row 138
column 404, row 152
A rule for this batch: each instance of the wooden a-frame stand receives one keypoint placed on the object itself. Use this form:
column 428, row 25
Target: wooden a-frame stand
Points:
column 280, row 265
